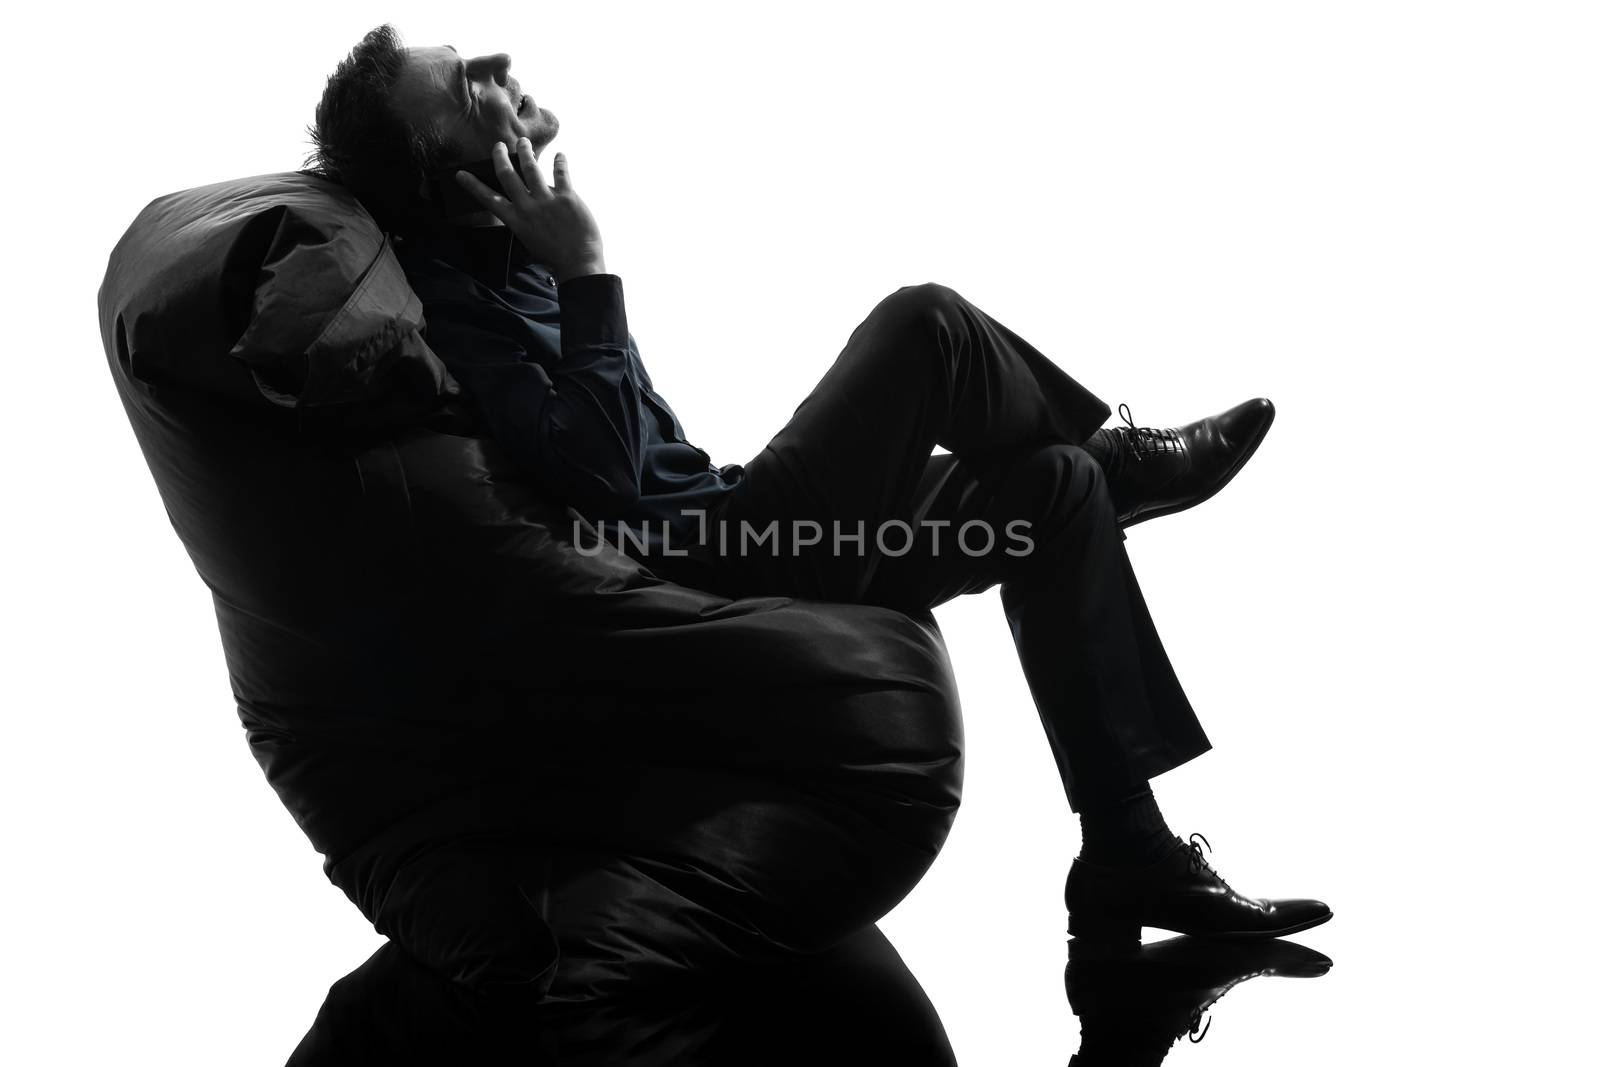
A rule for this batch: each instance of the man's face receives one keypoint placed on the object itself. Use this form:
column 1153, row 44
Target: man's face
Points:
column 472, row 103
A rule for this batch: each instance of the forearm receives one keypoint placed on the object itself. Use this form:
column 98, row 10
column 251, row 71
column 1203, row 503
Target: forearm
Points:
column 571, row 418
column 595, row 423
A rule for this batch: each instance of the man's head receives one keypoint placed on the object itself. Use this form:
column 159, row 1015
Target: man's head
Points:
column 390, row 116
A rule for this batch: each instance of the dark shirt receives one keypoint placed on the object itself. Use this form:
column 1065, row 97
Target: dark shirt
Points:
column 559, row 382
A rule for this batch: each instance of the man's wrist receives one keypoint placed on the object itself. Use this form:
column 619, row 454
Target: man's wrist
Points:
column 578, row 270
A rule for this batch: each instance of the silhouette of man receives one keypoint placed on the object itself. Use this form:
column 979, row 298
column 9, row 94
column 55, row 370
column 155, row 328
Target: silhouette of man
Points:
column 847, row 501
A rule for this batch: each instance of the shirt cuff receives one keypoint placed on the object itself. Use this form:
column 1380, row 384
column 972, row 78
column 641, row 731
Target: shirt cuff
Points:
column 592, row 311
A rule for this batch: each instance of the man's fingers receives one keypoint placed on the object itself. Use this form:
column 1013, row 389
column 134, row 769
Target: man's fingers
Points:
column 515, row 189
column 563, row 180
column 530, row 167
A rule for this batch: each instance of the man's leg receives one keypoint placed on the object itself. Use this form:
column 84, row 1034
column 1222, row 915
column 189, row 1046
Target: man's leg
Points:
column 928, row 368
column 924, row 368
column 1039, row 522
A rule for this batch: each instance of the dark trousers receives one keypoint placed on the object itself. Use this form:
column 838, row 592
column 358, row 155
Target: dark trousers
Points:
column 854, row 507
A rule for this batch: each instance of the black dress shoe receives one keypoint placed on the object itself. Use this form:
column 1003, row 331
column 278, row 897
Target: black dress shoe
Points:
column 1160, row 472
column 1132, row 1005
column 1179, row 892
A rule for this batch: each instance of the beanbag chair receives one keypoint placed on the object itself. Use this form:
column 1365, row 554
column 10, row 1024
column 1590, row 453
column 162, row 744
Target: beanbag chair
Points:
column 552, row 778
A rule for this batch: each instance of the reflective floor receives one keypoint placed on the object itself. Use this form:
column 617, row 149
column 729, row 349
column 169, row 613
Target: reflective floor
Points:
column 1133, row 1007
column 856, row 1004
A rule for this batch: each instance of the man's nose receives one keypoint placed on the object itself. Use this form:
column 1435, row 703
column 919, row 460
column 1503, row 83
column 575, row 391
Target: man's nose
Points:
column 494, row 66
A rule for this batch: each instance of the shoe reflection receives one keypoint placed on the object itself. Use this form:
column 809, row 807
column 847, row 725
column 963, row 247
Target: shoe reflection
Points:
column 855, row 1003
column 1132, row 1004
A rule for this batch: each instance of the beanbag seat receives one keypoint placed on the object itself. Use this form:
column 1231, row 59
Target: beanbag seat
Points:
column 547, row 775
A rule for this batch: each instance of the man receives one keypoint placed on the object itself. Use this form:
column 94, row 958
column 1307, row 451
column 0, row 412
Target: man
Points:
column 847, row 502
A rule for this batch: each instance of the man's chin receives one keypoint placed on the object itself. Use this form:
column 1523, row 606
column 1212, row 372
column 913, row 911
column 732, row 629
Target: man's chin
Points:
column 544, row 131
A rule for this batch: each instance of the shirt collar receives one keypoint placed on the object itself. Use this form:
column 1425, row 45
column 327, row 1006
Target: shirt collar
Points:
column 488, row 253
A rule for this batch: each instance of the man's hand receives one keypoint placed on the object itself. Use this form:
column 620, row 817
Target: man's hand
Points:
column 554, row 225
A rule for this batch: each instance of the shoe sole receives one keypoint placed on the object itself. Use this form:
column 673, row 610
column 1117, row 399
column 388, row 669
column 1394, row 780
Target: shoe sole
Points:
column 1128, row 939
column 1262, row 935
column 1244, row 457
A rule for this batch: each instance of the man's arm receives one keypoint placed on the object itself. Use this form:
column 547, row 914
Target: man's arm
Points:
column 576, row 426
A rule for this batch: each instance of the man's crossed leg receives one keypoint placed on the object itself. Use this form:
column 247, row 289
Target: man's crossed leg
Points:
column 847, row 503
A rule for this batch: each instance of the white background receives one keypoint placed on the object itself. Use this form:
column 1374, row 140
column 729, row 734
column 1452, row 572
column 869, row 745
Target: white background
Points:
column 1382, row 215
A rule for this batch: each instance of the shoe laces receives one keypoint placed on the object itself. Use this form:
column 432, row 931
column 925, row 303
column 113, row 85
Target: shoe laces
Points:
column 1196, row 1031
column 1198, row 864
column 1142, row 441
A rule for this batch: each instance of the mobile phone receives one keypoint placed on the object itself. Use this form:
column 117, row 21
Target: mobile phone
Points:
column 451, row 200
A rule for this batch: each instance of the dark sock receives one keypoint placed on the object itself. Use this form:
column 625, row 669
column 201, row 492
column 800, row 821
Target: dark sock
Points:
column 1129, row 832
column 1098, row 449
column 1128, row 1048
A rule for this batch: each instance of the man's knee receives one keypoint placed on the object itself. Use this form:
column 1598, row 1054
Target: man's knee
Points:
column 910, row 327
column 925, row 299
column 1067, row 480
column 1053, row 497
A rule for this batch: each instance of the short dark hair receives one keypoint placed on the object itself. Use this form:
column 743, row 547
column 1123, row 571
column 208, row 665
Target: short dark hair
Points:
column 361, row 140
